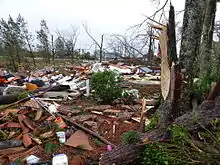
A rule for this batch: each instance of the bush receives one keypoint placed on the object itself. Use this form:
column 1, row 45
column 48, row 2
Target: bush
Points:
column 50, row 147
column 155, row 154
column 153, row 123
column 131, row 137
column 106, row 86
column 182, row 149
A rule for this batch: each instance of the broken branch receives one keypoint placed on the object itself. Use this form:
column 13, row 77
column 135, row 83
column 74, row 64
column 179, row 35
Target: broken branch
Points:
column 87, row 130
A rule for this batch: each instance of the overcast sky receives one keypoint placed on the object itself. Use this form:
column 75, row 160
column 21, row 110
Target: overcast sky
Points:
column 101, row 16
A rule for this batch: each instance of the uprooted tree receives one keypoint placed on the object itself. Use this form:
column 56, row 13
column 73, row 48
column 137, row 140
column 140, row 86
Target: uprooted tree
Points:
column 179, row 103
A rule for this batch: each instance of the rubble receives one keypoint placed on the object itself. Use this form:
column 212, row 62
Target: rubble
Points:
column 79, row 139
column 45, row 108
column 91, row 124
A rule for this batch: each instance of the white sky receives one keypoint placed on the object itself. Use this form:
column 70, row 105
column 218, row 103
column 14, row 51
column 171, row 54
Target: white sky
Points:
column 101, row 16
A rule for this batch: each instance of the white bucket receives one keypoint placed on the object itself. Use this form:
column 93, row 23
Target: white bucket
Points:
column 60, row 159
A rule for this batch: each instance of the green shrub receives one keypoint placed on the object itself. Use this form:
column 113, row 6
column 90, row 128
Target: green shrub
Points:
column 202, row 86
column 179, row 134
column 130, row 137
column 106, row 86
column 153, row 123
column 182, row 149
column 154, row 154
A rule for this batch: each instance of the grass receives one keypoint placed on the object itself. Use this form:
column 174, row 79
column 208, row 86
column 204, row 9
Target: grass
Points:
column 50, row 147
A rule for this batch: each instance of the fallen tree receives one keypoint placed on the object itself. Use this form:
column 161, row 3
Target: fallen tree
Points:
column 207, row 112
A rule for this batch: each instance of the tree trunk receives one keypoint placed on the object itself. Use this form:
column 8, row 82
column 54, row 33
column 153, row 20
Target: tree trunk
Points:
column 126, row 155
column 53, row 51
column 72, row 54
column 18, row 55
column 48, row 57
column 32, row 54
column 150, row 50
column 167, row 110
column 208, row 111
column 191, row 37
column 33, row 58
column 101, row 47
column 216, row 59
column 11, row 52
column 206, row 45
column 30, row 50
column 171, row 32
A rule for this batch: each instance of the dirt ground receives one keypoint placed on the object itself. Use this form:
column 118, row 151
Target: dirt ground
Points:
column 105, row 128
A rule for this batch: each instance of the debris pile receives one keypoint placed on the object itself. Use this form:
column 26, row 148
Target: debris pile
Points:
column 49, row 111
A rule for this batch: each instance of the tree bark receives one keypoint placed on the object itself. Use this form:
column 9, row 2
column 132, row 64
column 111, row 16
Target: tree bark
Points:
column 10, row 144
column 53, row 50
column 208, row 112
column 171, row 32
column 206, row 45
column 126, row 155
column 191, row 37
column 150, row 53
column 101, row 47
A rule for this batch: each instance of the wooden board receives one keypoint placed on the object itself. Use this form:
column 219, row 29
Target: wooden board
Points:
column 165, row 70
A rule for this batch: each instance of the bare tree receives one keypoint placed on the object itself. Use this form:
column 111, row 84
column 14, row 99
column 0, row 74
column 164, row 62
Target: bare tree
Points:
column 100, row 46
column 116, row 46
column 28, row 39
column 70, row 40
column 129, row 46
column 53, row 49
column 43, row 37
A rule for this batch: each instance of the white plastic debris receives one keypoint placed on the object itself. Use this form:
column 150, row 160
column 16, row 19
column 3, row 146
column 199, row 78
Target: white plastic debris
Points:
column 121, row 70
column 32, row 159
column 97, row 67
column 87, row 88
column 61, row 136
column 60, row 159
column 133, row 92
column 52, row 108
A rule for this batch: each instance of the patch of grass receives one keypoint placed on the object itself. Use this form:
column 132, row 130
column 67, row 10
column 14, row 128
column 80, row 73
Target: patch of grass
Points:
column 130, row 137
column 50, row 147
